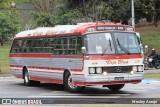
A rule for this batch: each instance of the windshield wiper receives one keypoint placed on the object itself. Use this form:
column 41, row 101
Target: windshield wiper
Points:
column 109, row 44
column 123, row 48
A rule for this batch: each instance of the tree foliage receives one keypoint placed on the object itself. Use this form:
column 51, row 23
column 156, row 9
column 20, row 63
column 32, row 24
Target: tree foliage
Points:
column 51, row 12
column 9, row 25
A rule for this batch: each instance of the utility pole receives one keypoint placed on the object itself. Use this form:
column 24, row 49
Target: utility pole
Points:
column 133, row 19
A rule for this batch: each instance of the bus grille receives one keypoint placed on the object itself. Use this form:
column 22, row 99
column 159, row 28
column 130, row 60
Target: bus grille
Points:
column 118, row 69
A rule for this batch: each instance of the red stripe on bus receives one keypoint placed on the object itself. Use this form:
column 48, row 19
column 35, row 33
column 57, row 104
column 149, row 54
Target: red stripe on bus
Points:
column 43, row 56
column 78, row 74
column 18, row 76
column 32, row 55
column 91, row 57
column 46, row 80
column 43, row 68
column 112, row 82
column 46, row 72
column 94, row 57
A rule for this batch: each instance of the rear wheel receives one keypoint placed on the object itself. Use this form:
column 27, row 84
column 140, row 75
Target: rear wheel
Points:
column 27, row 80
column 116, row 87
column 69, row 84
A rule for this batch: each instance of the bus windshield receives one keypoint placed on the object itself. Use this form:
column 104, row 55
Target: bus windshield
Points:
column 112, row 43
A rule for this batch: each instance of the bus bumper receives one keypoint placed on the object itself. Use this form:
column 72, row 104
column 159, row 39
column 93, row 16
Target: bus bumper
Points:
column 106, row 80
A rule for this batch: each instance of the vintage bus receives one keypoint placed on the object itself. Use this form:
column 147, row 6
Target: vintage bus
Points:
column 107, row 54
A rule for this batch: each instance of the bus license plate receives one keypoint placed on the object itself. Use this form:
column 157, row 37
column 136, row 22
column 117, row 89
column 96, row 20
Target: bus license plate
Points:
column 119, row 78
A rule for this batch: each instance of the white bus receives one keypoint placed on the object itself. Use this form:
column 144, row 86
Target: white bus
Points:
column 85, row 54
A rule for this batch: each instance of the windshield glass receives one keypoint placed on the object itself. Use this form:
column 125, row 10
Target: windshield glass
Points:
column 105, row 43
column 99, row 43
column 127, row 43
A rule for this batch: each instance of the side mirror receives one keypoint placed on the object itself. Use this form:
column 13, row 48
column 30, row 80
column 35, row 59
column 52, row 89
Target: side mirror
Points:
column 146, row 48
column 138, row 34
column 83, row 49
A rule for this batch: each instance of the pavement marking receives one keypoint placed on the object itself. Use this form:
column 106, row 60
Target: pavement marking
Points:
column 58, row 94
column 138, row 90
column 90, row 97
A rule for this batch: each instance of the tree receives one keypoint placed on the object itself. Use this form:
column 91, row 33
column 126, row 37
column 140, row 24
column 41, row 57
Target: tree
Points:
column 91, row 10
column 9, row 25
column 156, row 13
column 120, row 10
column 53, row 12
column 4, row 4
column 143, row 9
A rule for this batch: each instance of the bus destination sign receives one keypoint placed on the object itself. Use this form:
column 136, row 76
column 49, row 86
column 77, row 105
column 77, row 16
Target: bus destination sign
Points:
column 102, row 28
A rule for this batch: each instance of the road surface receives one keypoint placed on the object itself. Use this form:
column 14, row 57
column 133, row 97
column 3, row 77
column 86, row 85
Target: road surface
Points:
column 11, row 87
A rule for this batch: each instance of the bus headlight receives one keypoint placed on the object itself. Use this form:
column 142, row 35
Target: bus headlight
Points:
column 92, row 70
column 98, row 70
column 140, row 68
column 105, row 73
column 134, row 68
column 132, row 72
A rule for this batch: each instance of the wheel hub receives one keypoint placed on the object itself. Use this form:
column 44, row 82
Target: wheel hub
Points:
column 70, row 82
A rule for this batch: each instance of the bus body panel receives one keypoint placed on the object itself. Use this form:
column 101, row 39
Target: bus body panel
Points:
column 50, row 67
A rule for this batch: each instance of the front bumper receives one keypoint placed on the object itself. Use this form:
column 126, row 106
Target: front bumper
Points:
column 105, row 80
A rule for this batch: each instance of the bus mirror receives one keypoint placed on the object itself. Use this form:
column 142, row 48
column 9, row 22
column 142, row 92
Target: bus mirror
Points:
column 146, row 48
column 138, row 34
column 83, row 49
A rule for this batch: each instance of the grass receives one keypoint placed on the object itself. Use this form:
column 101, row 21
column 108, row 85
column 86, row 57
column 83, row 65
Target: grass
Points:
column 152, row 76
column 148, row 30
column 4, row 58
column 150, row 36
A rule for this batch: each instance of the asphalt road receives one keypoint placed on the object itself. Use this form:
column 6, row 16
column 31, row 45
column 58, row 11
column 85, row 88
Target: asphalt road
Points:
column 11, row 87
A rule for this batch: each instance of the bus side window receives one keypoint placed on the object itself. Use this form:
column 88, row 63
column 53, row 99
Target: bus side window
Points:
column 37, row 45
column 24, row 47
column 45, row 45
column 79, row 45
column 61, row 46
column 72, row 45
column 28, row 45
column 16, row 46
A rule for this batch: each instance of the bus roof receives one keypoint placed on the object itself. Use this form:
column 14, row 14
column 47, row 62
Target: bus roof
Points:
column 80, row 28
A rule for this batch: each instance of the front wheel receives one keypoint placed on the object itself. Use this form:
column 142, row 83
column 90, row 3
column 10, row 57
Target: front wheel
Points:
column 69, row 84
column 146, row 66
column 116, row 87
column 157, row 65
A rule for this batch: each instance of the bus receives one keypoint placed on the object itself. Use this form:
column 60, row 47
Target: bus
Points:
column 85, row 54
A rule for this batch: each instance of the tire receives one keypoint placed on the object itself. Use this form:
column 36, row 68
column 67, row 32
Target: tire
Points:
column 146, row 66
column 69, row 86
column 157, row 66
column 116, row 87
column 29, row 82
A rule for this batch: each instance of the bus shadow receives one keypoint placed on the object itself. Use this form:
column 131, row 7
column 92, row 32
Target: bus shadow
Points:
column 102, row 91
column 94, row 91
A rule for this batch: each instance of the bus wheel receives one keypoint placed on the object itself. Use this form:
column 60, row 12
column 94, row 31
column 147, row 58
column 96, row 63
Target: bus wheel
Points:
column 29, row 82
column 69, row 85
column 116, row 87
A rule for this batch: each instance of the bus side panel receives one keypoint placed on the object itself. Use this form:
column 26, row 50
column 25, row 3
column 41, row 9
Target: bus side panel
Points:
column 15, row 66
column 45, row 68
